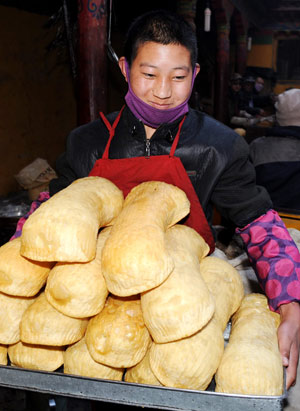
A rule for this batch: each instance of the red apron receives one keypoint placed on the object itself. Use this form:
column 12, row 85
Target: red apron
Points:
column 126, row 173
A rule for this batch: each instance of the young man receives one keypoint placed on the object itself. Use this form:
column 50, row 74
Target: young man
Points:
column 235, row 86
column 258, row 85
column 247, row 101
column 156, row 136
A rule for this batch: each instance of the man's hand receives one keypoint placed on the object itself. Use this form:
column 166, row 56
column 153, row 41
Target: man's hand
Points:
column 289, row 339
column 262, row 112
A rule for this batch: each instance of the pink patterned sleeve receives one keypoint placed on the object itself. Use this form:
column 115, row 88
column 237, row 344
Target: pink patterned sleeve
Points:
column 43, row 196
column 275, row 258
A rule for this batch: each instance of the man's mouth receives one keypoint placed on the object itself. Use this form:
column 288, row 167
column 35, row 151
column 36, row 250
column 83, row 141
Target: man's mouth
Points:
column 161, row 106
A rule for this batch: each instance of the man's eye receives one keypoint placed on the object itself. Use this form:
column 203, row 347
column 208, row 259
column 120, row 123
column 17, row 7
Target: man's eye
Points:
column 179, row 77
column 149, row 75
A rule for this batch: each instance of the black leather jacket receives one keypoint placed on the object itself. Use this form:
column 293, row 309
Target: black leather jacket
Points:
column 214, row 156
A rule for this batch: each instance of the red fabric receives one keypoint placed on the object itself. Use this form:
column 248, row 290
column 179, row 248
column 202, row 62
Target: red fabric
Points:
column 126, row 173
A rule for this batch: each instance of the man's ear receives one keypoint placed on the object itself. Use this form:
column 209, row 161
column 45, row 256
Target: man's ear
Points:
column 122, row 66
column 197, row 68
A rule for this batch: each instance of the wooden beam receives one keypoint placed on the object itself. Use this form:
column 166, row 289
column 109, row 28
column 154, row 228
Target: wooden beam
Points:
column 92, row 59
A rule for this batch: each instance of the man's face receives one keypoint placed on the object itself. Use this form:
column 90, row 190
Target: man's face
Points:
column 248, row 86
column 236, row 85
column 259, row 84
column 161, row 75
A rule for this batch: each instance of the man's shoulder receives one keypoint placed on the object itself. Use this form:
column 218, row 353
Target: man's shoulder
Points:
column 211, row 133
column 208, row 126
column 93, row 126
column 90, row 132
column 86, row 129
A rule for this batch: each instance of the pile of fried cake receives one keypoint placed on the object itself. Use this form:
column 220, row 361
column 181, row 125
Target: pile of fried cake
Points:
column 112, row 288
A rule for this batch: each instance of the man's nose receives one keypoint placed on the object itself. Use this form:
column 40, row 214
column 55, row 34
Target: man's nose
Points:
column 162, row 89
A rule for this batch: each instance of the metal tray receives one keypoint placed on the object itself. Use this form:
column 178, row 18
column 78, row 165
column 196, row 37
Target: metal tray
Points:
column 123, row 393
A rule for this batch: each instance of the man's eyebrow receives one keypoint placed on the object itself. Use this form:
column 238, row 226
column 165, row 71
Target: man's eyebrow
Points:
column 147, row 65
column 186, row 68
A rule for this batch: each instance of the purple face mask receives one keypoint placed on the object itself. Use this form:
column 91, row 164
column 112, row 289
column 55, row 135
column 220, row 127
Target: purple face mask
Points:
column 259, row 87
column 152, row 116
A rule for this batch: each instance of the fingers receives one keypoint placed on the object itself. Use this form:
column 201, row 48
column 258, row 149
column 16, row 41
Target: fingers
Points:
column 291, row 370
column 289, row 350
column 289, row 339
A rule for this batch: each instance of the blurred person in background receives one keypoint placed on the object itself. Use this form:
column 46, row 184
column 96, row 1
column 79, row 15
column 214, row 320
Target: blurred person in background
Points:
column 247, row 102
column 259, row 86
column 235, row 86
column 276, row 155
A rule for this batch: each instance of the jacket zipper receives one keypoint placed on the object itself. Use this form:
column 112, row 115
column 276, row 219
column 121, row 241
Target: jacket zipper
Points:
column 147, row 147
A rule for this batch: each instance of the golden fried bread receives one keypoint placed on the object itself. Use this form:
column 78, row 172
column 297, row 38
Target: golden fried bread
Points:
column 191, row 362
column 78, row 361
column 252, row 363
column 65, row 227
column 117, row 336
column 141, row 373
column 225, row 284
column 12, row 309
column 135, row 258
column 42, row 324
column 35, row 357
column 21, row 276
column 182, row 304
column 79, row 289
column 3, row 354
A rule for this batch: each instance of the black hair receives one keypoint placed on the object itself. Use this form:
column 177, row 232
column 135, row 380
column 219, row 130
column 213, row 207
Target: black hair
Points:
column 160, row 26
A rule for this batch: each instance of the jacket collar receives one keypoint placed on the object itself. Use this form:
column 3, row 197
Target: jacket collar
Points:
column 137, row 130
